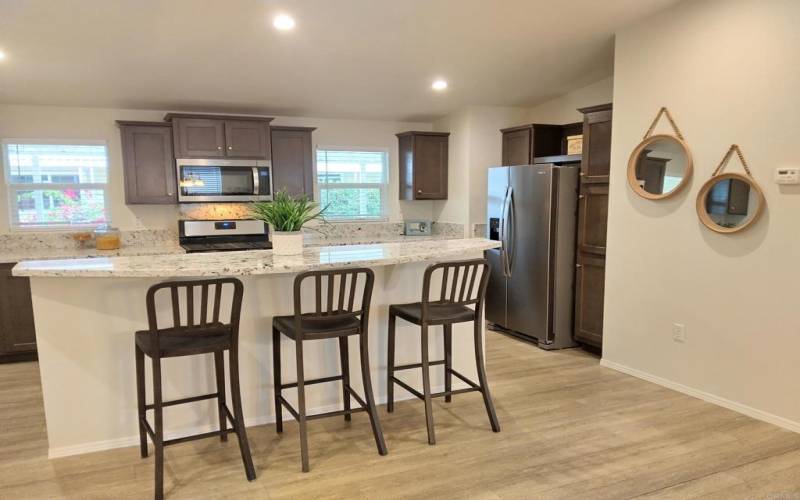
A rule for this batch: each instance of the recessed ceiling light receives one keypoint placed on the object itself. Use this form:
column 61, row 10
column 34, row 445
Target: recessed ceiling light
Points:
column 283, row 22
column 2, row 55
column 439, row 85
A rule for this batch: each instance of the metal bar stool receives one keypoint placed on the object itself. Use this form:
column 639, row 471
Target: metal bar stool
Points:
column 339, row 317
column 209, row 335
column 459, row 290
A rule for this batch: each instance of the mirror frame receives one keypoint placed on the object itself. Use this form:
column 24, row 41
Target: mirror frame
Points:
column 632, row 161
column 701, row 203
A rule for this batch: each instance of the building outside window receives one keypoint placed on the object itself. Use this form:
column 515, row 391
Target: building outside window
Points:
column 353, row 182
column 56, row 184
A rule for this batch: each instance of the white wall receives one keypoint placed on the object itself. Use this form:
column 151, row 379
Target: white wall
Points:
column 93, row 123
column 475, row 145
column 564, row 109
column 729, row 71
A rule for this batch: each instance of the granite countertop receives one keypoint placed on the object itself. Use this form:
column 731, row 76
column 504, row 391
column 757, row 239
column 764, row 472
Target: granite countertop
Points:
column 256, row 262
column 47, row 253
column 83, row 253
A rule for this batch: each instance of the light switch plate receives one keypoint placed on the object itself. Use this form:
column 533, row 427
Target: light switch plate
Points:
column 789, row 175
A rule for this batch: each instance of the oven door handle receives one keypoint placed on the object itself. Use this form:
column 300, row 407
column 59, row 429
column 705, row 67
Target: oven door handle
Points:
column 256, row 182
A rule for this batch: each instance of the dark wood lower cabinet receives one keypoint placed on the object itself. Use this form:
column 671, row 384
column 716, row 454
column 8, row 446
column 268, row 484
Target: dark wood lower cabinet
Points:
column 17, row 331
column 590, row 280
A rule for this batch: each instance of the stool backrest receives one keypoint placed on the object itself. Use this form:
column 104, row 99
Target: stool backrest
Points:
column 463, row 283
column 191, row 320
column 336, row 294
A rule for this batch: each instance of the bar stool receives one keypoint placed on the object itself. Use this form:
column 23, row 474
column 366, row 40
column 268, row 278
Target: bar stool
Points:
column 186, row 340
column 458, row 292
column 339, row 317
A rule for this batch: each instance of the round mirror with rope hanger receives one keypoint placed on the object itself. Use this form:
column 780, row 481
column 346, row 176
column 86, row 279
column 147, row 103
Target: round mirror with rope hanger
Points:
column 661, row 165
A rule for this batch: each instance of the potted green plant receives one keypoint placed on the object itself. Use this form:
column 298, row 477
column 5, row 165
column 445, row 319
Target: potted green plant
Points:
column 286, row 216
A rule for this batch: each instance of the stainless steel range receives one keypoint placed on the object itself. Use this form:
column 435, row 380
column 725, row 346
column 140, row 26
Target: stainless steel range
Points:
column 223, row 235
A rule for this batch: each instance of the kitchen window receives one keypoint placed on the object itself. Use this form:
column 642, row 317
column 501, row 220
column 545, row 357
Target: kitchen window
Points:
column 352, row 182
column 56, row 184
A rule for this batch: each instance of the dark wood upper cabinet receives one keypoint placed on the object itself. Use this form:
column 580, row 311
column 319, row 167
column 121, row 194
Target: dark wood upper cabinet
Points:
column 592, row 225
column 596, row 163
column 17, row 331
column 199, row 138
column 292, row 160
column 148, row 163
column 220, row 136
column 517, row 144
column 423, row 165
column 247, row 139
column 523, row 144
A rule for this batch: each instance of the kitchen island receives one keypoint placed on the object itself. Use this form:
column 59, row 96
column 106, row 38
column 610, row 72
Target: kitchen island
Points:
column 86, row 311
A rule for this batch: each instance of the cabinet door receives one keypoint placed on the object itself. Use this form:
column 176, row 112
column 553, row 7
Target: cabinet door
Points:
column 292, row 161
column 199, row 138
column 592, row 218
column 589, row 298
column 430, row 167
column 148, row 164
column 246, row 139
column 517, row 147
column 596, row 161
column 17, row 332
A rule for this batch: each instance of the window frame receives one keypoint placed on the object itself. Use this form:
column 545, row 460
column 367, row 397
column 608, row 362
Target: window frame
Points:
column 13, row 188
column 383, row 186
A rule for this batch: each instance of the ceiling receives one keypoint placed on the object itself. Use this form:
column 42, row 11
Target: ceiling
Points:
column 346, row 58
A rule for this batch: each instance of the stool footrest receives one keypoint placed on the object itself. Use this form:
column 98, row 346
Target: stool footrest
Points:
column 167, row 442
column 183, row 401
column 472, row 387
column 314, row 381
column 418, row 365
column 337, row 413
column 466, row 380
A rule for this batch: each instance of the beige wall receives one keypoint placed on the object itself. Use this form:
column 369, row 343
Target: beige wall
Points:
column 564, row 109
column 92, row 123
column 475, row 145
column 729, row 71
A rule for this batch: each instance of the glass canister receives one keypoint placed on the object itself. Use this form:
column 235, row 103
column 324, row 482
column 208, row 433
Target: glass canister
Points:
column 107, row 238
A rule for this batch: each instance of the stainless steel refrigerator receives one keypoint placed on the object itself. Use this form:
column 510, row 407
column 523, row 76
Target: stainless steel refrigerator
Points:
column 532, row 210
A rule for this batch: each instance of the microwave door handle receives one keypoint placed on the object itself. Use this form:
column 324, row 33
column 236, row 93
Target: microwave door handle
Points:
column 256, row 182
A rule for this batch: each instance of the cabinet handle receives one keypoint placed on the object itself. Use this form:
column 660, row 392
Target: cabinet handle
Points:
column 219, row 148
column 419, row 191
column 230, row 147
column 581, row 174
column 580, row 196
column 578, row 266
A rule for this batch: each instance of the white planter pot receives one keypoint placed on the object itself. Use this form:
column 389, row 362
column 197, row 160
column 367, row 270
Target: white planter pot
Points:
column 287, row 243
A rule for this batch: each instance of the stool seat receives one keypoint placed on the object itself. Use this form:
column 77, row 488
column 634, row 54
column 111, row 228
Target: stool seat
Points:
column 437, row 313
column 185, row 341
column 339, row 324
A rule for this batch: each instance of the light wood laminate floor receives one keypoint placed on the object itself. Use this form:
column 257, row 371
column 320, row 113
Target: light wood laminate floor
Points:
column 570, row 429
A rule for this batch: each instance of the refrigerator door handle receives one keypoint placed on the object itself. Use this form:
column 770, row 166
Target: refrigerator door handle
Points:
column 511, row 233
column 504, row 232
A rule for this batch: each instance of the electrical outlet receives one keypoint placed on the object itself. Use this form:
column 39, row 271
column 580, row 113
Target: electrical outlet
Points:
column 679, row 332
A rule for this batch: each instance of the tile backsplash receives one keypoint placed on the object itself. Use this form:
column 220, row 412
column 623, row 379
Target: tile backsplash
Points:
column 57, row 240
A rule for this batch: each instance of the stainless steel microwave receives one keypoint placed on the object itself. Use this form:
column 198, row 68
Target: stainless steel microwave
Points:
column 210, row 180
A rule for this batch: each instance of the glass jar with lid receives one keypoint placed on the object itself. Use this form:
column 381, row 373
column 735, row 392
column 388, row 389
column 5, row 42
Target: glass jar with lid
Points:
column 107, row 238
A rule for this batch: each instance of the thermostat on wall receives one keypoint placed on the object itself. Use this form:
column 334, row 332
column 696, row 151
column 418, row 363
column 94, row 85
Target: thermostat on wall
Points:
column 787, row 175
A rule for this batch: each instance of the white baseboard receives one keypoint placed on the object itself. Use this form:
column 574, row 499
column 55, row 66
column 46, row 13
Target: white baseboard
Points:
column 705, row 396
column 79, row 449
